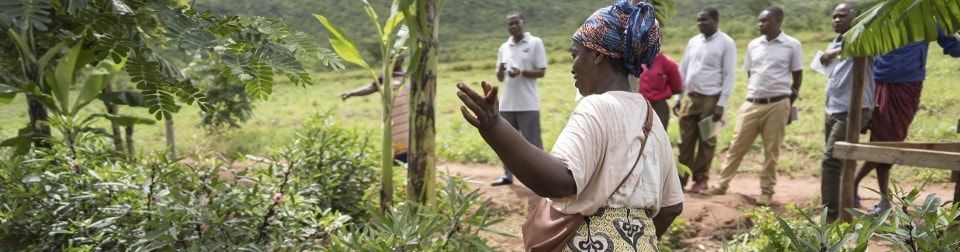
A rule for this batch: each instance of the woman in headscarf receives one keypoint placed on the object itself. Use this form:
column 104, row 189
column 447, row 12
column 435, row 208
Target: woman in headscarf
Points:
column 586, row 172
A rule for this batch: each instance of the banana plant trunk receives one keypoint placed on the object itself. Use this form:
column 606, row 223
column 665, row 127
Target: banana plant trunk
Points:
column 386, row 155
column 423, row 89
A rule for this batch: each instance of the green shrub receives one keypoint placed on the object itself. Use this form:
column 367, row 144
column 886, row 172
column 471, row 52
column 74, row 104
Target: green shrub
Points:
column 95, row 200
column 679, row 230
column 928, row 226
column 452, row 224
column 302, row 198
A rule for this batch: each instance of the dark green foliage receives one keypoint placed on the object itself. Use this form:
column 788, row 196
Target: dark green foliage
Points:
column 27, row 13
column 51, row 201
column 454, row 224
column 336, row 164
column 230, row 104
column 305, row 197
column 145, row 31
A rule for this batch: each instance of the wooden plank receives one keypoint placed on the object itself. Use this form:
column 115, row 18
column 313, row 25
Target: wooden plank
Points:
column 948, row 147
column 901, row 156
column 847, row 186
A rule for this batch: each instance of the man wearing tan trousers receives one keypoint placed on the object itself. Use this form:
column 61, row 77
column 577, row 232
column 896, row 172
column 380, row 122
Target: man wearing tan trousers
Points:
column 774, row 63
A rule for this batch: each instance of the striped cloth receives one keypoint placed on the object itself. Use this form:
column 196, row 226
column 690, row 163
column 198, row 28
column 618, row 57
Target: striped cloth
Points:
column 897, row 103
column 401, row 115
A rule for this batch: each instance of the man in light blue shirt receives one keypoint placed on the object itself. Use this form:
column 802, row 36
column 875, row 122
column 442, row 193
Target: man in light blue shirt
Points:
column 839, row 87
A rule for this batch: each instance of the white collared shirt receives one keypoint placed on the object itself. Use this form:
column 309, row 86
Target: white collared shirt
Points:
column 771, row 65
column 520, row 93
column 709, row 66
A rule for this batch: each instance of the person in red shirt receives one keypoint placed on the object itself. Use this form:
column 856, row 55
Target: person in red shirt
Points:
column 659, row 83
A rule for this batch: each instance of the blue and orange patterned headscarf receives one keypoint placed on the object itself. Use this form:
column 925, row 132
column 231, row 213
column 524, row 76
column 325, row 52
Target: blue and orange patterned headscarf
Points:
column 623, row 31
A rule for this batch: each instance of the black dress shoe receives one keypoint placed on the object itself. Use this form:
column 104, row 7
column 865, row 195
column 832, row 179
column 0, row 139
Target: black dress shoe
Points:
column 501, row 181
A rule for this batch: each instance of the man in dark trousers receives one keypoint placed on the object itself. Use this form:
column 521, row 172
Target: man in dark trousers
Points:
column 708, row 70
column 839, row 87
column 521, row 60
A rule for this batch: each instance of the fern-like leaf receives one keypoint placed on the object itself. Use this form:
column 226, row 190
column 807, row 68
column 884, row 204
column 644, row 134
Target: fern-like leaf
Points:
column 260, row 83
column 27, row 14
column 155, row 87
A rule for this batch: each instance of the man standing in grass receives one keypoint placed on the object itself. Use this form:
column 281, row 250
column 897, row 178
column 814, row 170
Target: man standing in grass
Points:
column 708, row 70
column 839, row 86
column 774, row 63
column 520, row 62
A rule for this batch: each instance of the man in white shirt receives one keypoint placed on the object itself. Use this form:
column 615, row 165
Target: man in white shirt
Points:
column 520, row 62
column 708, row 71
column 774, row 63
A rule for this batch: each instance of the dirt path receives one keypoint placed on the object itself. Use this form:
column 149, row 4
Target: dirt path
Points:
column 711, row 217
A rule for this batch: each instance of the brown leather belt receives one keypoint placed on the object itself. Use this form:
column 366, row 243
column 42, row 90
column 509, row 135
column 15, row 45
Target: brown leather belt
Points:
column 767, row 100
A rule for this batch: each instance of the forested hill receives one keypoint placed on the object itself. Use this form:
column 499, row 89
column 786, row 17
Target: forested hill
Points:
column 471, row 29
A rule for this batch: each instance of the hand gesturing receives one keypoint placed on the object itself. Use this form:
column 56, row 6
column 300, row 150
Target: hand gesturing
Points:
column 485, row 108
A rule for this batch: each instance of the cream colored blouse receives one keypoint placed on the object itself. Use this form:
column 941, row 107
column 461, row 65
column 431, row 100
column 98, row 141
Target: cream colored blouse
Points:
column 600, row 144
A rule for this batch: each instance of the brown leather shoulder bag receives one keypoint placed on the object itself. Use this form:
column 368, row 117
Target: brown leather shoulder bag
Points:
column 547, row 229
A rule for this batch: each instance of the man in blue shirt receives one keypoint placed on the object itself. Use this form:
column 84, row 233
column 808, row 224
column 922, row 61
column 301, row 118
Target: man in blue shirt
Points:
column 899, row 75
column 839, row 87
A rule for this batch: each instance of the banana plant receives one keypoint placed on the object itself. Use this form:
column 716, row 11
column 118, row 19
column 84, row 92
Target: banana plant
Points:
column 422, row 17
column 885, row 25
column 390, row 47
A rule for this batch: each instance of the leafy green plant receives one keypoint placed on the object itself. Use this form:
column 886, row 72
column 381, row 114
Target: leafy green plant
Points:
column 454, row 224
column 249, row 51
column 679, row 230
column 391, row 46
column 928, row 226
column 885, row 25
column 931, row 225
column 802, row 232
column 53, row 199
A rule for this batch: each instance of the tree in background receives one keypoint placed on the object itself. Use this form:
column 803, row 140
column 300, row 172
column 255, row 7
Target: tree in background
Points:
column 248, row 51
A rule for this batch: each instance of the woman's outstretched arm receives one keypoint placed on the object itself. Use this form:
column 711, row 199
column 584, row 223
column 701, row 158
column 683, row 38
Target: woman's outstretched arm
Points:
column 543, row 173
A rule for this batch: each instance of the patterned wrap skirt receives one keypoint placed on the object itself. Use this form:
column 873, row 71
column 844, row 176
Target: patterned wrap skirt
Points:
column 615, row 229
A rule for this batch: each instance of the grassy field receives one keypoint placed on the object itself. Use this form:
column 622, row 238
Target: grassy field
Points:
column 274, row 121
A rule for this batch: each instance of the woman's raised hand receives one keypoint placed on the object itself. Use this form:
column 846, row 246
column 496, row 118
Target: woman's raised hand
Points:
column 485, row 108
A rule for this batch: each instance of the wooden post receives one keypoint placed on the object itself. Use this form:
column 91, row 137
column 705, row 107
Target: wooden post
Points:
column 853, row 136
column 421, row 173
column 113, row 110
column 131, row 151
column 955, row 175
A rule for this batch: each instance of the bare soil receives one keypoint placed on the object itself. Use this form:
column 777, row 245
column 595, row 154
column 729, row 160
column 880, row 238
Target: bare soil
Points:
column 712, row 217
